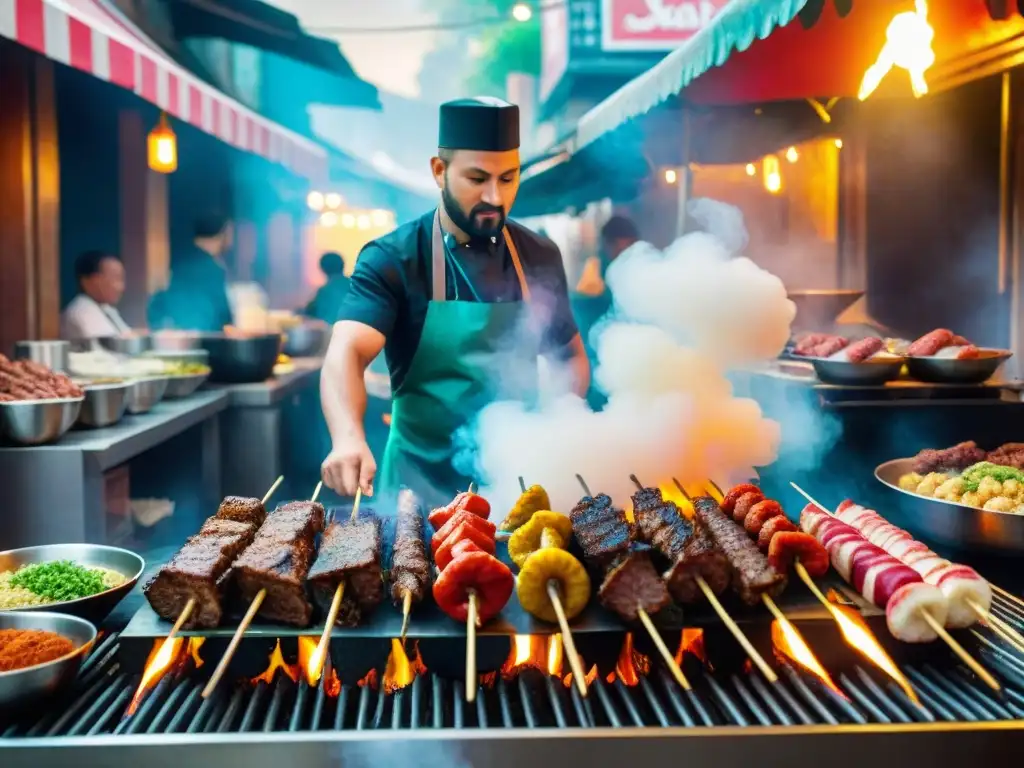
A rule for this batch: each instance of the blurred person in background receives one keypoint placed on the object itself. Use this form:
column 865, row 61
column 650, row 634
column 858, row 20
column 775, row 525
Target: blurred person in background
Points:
column 445, row 297
column 326, row 304
column 93, row 314
column 197, row 297
column 591, row 298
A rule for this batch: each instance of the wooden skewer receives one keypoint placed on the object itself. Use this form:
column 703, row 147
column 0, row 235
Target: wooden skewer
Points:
column 406, row 610
column 274, row 487
column 998, row 626
column 522, row 485
column 666, row 654
column 243, row 626
column 731, row 625
column 930, row 620
column 471, row 680
column 1008, row 595
column 575, row 663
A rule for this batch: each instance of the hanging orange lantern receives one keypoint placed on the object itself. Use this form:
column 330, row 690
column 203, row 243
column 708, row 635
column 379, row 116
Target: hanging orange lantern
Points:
column 163, row 147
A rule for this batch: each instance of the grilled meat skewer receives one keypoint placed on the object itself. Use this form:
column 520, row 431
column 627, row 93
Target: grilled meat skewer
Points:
column 350, row 552
column 410, row 566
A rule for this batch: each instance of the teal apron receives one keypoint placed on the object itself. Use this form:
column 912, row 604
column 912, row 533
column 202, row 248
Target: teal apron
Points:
column 464, row 361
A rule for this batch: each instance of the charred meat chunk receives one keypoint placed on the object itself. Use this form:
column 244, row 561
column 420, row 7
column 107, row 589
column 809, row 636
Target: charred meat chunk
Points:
column 242, row 509
column 197, row 571
column 954, row 459
column 660, row 523
column 700, row 558
column 279, row 559
column 632, row 585
column 410, row 567
column 600, row 528
column 349, row 552
column 752, row 575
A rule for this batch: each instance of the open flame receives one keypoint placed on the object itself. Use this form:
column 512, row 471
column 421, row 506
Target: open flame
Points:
column 401, row 670
column 543, row 652
column 791, row 644
column 165, row 656
column 276, row 662
column 691, row 641
column 860, row 637
column 630, row 664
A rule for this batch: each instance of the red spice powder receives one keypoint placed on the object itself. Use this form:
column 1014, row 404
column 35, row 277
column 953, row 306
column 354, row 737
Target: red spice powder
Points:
column 20, row 648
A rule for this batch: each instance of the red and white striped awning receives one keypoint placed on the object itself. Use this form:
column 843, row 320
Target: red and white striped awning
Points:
column 88, row 36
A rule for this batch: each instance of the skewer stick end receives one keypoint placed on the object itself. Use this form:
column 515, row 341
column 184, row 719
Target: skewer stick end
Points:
column 583, row 484
column 522, row 484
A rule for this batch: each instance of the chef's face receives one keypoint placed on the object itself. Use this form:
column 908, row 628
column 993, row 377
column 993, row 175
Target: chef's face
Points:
column 478, row 188
column 107, row 285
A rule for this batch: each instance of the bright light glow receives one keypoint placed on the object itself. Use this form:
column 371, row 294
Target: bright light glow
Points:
column 772, row 174
column 315, row 200
column 380, row 218
column 839, row 143
column 522, row 12
column 792, row 155
column 328, row 218
column 363, row 221
column 332, row 200
column 751, row 169
column 348, row 220
column 908, row 45
column 670, row 176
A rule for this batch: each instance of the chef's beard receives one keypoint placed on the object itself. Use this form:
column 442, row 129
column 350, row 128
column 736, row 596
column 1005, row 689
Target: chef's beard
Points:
column 467, row 222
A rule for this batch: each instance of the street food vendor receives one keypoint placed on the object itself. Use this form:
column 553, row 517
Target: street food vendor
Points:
column 461, row 300
column 197, row 297
column 93, row 314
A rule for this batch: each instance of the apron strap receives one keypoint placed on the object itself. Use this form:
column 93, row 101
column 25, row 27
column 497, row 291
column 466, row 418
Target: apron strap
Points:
column 437, row 263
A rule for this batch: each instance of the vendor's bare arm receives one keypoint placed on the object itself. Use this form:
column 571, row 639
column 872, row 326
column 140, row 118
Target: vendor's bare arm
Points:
column 579, row 364
column 343, row 396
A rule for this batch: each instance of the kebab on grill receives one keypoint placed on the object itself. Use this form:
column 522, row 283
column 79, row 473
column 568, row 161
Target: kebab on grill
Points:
column 688, row 549
column 350, row 553
column 464, row 546
column 410, row 568
column 965, row 589
column 777, row 536
column 200, row 569
column 630, row 584
column 279, row 559
column 539, row 547
column 533, row 499
column 881, row 578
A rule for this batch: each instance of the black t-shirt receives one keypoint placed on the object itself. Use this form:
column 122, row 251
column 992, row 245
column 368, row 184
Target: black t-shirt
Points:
column 392, row 285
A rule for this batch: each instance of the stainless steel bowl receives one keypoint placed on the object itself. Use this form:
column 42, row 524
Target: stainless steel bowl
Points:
column 105, row 403
column 870, row 373
column 183, row 386
column 308, row 339
column 200, row 356
column 143, row 394
column 133, row 344
column 94, row 608
column 38, row 422
column 176, row 341
column 936, row 370
column 22, row 686
column 242, row 359
column 52, row 354
column 945, row 522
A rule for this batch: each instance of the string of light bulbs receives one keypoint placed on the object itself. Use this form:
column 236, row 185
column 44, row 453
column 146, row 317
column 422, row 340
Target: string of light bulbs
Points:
column 520, row 12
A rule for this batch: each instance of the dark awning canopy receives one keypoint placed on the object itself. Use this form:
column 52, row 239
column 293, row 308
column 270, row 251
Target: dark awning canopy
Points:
column 256, row 24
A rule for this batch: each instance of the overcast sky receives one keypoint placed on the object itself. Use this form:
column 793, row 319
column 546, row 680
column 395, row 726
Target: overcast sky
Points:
column 389, row 61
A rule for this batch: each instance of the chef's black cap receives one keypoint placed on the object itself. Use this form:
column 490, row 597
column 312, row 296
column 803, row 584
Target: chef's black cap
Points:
column 483, row 124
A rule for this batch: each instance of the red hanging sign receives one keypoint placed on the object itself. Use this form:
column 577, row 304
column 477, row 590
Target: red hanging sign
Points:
column 654, row 25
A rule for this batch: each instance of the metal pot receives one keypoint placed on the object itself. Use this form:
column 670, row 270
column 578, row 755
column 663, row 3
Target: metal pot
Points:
column 939, row 370
column 242, row 359
column 132, row 345
column 52, row 354
column 869, row 373
column 945, row 522
column 105, row 404
column 38, row 422
column 143, row 394
column 307, row 339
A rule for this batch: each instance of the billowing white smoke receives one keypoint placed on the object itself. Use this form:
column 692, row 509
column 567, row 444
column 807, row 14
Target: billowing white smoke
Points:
column 681, row 318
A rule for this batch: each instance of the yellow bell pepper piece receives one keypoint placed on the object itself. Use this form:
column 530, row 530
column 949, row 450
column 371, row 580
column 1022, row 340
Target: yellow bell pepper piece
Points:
column 531, row 500
column 527, row 539
column 546, row 565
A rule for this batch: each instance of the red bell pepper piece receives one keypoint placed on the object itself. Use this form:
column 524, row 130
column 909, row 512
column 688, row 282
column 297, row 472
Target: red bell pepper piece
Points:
column 480, row 572
column 470, row 502
column 464, row 547
column 462, row 516
column 443, row 556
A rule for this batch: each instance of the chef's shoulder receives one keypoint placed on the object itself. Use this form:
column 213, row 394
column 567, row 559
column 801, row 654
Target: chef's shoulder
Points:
column 535, row 247
column 393, row 258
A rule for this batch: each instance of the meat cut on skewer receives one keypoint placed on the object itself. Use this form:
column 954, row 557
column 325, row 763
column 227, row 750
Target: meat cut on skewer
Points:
column 350, row 553
column 279, row 559
column 601, row 529
column 753, row 576
column 200, row 570
column 410, row 567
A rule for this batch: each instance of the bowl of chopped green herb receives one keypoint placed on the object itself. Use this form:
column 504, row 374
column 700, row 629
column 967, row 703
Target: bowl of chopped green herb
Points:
column 85, row 580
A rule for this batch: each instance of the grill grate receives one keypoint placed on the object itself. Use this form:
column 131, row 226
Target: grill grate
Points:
column 103, row 691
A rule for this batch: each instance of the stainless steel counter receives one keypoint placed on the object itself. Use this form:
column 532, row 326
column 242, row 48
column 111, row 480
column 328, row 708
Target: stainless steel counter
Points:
column 55, row 493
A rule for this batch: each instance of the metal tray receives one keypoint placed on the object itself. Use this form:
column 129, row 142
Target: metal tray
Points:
column 870, row 373
column 936, row 370
column 948, row 523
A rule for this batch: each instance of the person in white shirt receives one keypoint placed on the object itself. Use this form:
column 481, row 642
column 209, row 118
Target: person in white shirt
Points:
column 92, row 314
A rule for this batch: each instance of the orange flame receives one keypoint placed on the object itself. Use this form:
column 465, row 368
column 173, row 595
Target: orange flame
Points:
column 370, row 679
column 400, row 670
column 165, row 656
column 276, row 662
column 791, row 644
column 860, row 637
column 543, row 652
column 630, row 664
column 691, row 641
column 591, row 676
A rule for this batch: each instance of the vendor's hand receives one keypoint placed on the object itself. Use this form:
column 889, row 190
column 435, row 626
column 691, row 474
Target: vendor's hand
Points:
column 349, row 466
